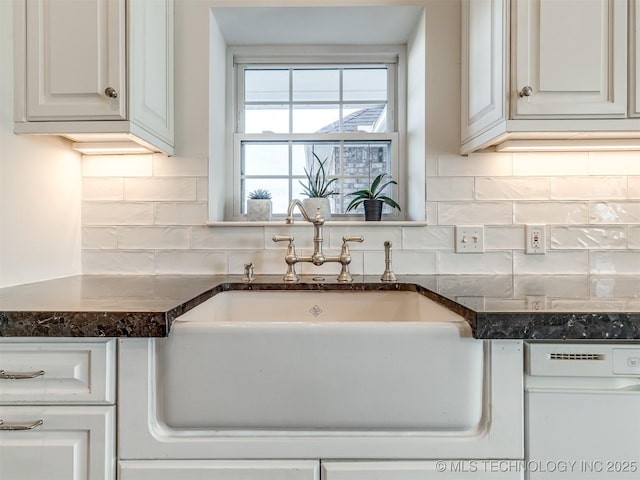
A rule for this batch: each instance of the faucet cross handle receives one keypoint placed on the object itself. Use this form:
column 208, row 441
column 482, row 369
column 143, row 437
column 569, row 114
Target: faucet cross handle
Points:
column 290, row 257
column 345, row 259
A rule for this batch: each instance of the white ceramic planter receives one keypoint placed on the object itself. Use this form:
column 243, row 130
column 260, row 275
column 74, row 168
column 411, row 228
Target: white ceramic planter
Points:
column 313, row 203
column 259, row 210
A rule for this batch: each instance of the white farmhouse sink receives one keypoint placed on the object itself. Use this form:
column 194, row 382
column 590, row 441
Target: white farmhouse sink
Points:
column 329, row 360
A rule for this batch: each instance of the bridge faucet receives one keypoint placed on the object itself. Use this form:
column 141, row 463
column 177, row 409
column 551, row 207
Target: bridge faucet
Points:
column 318, row 257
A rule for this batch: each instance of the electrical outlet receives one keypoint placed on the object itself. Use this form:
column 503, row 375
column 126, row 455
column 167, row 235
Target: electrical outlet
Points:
column 470, row 239
column 535, row 302
column 535, row 240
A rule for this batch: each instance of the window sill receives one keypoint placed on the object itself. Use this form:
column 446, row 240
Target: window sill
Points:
column 301, row 222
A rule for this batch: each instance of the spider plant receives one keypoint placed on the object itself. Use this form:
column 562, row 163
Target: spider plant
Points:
column 317, row 184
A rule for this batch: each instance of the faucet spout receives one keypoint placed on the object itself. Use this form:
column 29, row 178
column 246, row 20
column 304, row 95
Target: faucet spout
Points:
column 317, row 258
column 317, row 219
column 295, row 202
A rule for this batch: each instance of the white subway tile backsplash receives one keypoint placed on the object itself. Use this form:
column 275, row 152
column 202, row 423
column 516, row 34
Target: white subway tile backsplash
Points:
column 117, row 165
column 550, row 164
column 614, row 263
column 428, row 238
column 153, row 237
column 565, row 262
column 634, row 237
column 431, row 212
column 493, row 263
column 585, row 188
column 99, row 238
column 504, row 238
column 228, row 238
column 475, row 285
column 556, row 286
column 103, row 188
column 148, row 213
column 572, row 238
column 164, row 166
column 476, row 164
column 485, row 213
column 614, row 163
column 431, row 165
column 180, row 213
column 607, row 287
column 633, row 185
column 197, row 262
column 551, row 212
column 615, row 212
column 500, row 188
column 450, row 188
column 160, row 189
column 134, row 262
column 265, row 262
column 404, row 262
column 202, row 189
column 374, row 237
column 117, row 213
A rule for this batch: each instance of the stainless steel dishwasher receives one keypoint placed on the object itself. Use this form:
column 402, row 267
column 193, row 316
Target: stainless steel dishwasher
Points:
column 582, row 411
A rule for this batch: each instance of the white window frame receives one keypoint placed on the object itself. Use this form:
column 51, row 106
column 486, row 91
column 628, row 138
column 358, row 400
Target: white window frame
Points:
column 286, row 56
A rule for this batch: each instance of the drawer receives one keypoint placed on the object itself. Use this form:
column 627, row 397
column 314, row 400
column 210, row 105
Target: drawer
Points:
column 54, row 372
column 219, row 470
column 70, row 442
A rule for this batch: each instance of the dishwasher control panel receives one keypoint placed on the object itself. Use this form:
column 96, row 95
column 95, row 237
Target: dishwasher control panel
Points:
column 626, row 361
column 582, row 360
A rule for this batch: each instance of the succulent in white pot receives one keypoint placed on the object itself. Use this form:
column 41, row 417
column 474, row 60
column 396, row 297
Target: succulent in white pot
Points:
column 259, row 205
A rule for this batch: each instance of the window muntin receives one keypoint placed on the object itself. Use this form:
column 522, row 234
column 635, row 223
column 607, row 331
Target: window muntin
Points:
column 286, row 113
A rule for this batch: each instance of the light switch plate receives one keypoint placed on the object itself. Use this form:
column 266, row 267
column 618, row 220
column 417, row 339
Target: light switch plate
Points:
column 470, row 239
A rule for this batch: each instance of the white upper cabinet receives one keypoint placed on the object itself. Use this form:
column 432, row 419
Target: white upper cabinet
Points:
column 96, row 71
column 570, row 58
column 548, row 69
column 75, row 59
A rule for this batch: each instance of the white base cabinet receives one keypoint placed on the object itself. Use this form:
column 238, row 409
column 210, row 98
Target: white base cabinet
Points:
column 219, row 470
column 63, row 443
column 57, row 409
column 423, row 470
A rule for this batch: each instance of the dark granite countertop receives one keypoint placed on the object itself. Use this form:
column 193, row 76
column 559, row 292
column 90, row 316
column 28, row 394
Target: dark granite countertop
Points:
column 540, row 307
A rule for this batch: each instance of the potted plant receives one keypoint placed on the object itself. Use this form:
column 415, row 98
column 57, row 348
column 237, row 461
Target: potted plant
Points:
column 318, row 188
column 259, row 205
column 373, row 199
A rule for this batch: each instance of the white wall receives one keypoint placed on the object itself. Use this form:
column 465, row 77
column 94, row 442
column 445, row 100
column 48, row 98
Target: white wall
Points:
column 39, row 190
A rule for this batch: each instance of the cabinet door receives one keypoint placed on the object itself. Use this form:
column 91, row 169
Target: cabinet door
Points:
column 484, row 62
column 75, row 52
column 424, row 470
column 71, row 443
column 573, row 56
column 634, row 59
column 150, row 50
column 219, row 470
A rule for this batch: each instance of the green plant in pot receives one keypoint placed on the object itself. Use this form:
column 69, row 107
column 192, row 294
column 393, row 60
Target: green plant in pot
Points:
column 259, row 205
column 373, row 198
column 318, row 188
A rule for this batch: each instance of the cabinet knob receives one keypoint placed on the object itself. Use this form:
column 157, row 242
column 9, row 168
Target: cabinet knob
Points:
column 111, row 92
column 526, row 91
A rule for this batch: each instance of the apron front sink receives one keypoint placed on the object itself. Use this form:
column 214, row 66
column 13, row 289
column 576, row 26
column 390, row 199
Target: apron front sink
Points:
column 321, row 360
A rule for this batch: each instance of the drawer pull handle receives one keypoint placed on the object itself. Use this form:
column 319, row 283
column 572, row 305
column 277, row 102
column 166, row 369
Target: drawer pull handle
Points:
column 20, row 426
column 20, row 375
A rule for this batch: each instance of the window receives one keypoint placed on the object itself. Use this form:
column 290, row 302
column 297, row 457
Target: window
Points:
column 290, row 112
